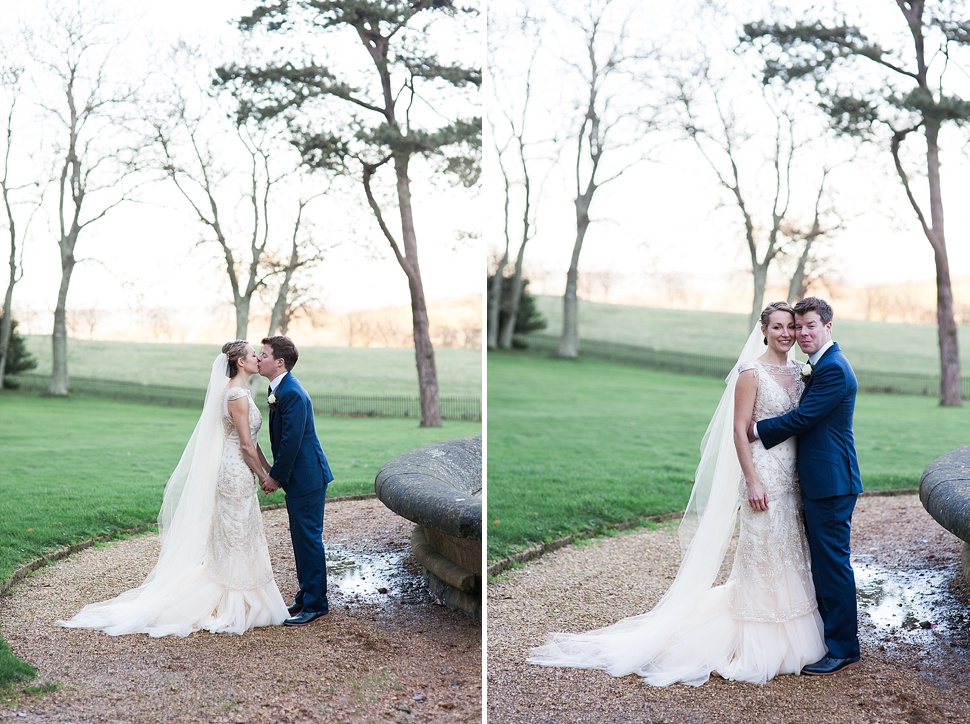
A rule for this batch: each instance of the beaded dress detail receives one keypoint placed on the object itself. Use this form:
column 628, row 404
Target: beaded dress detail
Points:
column 231, row 588
column 762, row 622
column 237, row 556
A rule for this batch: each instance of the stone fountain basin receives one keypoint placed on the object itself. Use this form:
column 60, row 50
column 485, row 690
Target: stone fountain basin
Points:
column 439, row 488
column 944, row 490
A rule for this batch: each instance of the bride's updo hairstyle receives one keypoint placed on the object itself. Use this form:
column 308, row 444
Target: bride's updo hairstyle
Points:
column 771, row 309
column 234, row 352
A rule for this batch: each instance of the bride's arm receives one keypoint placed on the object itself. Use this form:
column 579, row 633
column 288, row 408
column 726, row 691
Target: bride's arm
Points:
column 239, row 410
column 262, row 459
column 744, row 396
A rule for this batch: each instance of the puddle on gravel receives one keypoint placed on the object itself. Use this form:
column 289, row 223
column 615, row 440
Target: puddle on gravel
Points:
column 915, row 608
column 372, row 578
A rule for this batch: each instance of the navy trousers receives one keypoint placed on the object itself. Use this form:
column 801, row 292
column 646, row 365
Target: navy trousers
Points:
column 828, row 523
column 305, row 514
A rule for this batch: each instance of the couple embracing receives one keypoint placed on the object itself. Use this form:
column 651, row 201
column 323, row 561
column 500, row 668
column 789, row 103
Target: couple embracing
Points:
column 780, row 449
column 213, row 571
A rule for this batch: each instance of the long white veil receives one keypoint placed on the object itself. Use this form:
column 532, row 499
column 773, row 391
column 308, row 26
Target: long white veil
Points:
column 184, row 523
column 632, row 644
column 187, row 504
column 708, row 523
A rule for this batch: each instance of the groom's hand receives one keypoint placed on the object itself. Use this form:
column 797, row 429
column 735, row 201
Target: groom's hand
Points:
column 751, row 435
column 269, row 485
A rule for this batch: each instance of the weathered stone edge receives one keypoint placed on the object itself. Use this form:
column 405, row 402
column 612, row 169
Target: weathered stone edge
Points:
column 463, row 517
column 944, row 491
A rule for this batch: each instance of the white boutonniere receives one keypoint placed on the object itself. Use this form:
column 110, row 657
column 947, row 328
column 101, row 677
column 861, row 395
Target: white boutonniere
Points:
column 271, row 400
column 807, row 370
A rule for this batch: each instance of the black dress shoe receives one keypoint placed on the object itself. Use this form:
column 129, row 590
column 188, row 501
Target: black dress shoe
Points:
column 295, row 608
column 304, row 617
column 829, row 665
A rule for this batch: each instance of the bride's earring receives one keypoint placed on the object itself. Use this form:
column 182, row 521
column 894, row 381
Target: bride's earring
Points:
column 766, row 341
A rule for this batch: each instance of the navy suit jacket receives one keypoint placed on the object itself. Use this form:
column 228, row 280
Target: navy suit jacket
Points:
column 299, row 464
column 827, row 461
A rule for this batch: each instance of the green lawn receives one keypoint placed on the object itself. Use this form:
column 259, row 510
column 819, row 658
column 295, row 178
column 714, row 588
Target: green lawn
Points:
column 877, row 346
column 72, row 469
column 580, row 445
column 82, row 467
column 336, row 370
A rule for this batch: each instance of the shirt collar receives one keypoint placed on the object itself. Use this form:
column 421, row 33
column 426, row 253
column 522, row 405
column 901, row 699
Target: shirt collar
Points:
column 818, row 355
column 275, row 382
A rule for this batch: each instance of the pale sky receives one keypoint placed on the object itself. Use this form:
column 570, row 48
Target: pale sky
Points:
column 147, row 254
column 667, row 218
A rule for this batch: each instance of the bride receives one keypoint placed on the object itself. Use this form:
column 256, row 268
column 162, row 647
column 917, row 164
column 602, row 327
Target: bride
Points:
column 764, row 620
column 213, row 571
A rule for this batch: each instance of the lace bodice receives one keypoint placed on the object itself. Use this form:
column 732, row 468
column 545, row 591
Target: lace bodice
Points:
column 255, row 418
column 779, row 387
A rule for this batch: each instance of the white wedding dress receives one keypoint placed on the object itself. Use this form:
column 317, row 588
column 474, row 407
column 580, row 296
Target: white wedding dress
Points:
column 214, row 570
column 764, row 620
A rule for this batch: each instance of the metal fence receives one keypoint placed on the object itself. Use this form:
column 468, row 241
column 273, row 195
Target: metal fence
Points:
column 452, row 408
column 715, row 366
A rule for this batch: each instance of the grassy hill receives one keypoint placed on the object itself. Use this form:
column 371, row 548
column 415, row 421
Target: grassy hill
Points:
column 882, row 346
column 337, row 370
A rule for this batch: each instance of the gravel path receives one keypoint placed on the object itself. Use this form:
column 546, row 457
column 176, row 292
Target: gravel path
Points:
column 914, row 620
column 392, row 656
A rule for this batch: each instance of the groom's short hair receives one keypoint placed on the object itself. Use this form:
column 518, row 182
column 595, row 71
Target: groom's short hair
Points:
column 284, row 349
column 814, row 304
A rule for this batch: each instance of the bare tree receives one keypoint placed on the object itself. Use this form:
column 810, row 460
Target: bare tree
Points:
column 357, row 325
column 508, row 117
column 304, row 254
column 11, row 84
column 342, row 117
column 84, row 320
column 807, row 248
column 227, row 172
column 597, row 284
column 752, row 165
column 79, row 54
column 887, row 94
column 609, row 130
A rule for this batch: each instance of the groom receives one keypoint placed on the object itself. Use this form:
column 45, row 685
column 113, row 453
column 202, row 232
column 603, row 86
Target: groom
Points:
column 301, row 469
column 829, row 472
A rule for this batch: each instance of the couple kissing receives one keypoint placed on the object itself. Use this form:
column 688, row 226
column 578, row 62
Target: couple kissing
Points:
column 213, row 571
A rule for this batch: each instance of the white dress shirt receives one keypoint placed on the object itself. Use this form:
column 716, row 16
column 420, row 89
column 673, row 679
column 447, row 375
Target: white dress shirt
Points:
column 275, row 382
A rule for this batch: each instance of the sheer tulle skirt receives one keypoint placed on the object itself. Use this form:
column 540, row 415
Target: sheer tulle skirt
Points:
column 192, row 602
column 763, row 622
column 686, row 648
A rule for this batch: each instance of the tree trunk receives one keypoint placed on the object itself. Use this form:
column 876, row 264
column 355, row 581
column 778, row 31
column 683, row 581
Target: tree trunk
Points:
column 242, row 317
column 569, row 341
column 6, row 327
column 423, row 349
column 277, row 316
column 59, row 384
column 507, row 333
column 950, row 386
column 760, row 278
column 495, row 301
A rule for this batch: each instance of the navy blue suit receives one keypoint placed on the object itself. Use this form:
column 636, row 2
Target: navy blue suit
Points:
column 301, row 468
column 828, row 469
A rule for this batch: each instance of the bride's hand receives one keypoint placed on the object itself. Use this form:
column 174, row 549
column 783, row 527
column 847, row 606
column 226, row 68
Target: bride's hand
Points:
column 757, row 495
